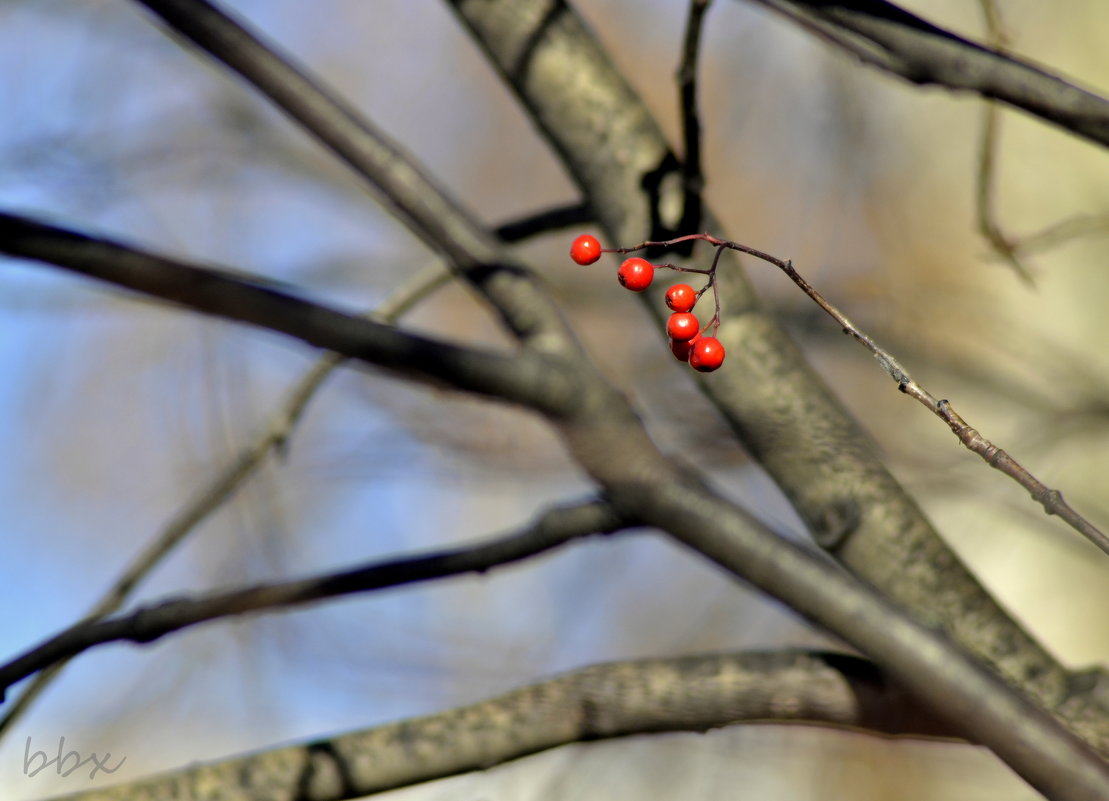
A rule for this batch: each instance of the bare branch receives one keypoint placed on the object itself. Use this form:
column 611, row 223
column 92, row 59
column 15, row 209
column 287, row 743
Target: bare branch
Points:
column 616, row 699
column 885, row 36
column 988, row 225
column 525, row 378
column 545, row 221
column 1063, row 231
column 1007, row 247
column 551, row 529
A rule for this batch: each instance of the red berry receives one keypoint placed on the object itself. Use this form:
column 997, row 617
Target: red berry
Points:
column 682, row 326
column 681, row 297
column 586, row 249
column 636, row 274
column 681, row 350
column 707, row 354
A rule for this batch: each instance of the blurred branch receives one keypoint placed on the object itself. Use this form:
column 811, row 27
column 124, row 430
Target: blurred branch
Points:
column 885, row 36
column 552, row 528
column 615, row 699
column 523, row 378
column 1063, row 231
column 273, row 436
column 1005, row 246
column 988, row 225
column 544, row 222
column 693, row 177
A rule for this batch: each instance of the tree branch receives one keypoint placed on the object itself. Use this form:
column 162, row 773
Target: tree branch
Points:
column 616, row 699
column 524, row 378
column 543, row 222
column 693, row 176
column 887, row 37
column 1050, row 499
column 1007, row 247
column 551, row 529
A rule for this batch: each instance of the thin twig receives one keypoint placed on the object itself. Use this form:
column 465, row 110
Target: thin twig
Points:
column 995, row 29
column 1057, row 233
column 1051, row 499
column 1003, row 246
column 1007, row 247
column 693, row 177
column 554, row 527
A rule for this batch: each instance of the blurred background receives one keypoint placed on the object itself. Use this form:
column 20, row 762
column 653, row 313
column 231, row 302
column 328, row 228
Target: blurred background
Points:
column 114, row 410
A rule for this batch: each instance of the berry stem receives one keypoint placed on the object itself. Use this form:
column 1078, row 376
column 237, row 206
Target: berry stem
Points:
column 1050, row 499
column 715, row 321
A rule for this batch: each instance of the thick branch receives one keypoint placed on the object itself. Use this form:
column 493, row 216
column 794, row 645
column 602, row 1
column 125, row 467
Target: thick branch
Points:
column 618, row 699
column 885, row 36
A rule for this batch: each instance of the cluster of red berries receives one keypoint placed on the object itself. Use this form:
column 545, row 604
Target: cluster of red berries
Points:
column 687, row 340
